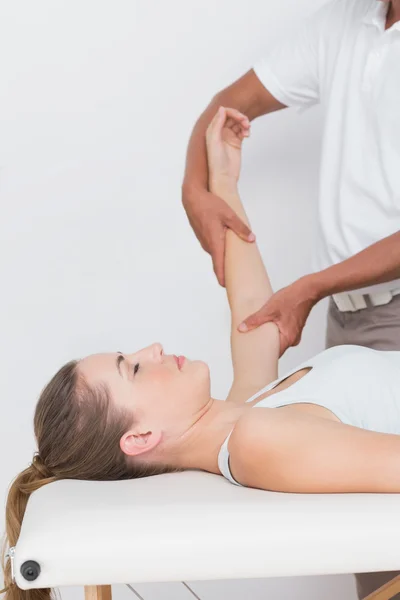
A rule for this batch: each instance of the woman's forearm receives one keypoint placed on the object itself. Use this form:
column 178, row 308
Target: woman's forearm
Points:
column 246, row 279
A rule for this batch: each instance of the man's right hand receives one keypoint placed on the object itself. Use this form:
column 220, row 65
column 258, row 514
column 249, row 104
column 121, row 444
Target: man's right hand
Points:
column 210, row 217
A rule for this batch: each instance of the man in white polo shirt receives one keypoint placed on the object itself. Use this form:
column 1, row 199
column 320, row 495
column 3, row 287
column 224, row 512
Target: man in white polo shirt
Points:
column 345, row 57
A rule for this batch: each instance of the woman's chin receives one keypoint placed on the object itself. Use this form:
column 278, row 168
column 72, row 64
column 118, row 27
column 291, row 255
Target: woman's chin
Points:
column 200, row 365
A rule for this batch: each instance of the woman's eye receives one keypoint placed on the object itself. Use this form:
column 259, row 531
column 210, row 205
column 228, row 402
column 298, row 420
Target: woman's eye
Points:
column 136, row 368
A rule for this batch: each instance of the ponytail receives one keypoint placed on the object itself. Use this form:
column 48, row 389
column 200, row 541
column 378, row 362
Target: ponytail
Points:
column 30, row 480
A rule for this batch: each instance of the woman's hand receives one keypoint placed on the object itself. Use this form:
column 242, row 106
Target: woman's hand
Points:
column 224, row 138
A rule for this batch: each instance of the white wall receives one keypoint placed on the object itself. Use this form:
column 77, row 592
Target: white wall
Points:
column 97, row 101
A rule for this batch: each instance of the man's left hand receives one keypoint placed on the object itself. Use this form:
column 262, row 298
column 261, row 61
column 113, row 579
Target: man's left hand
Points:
column 289, row 309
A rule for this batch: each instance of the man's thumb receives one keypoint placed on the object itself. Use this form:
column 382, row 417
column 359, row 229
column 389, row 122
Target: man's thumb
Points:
column 240, row 229
column 252, row 322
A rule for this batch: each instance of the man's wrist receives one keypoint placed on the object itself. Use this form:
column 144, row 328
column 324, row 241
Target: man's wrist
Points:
column 313, row 287
column 190, row 186
column 191, row 190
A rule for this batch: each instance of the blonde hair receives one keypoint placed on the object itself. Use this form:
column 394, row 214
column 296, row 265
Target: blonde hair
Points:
column 70, row 447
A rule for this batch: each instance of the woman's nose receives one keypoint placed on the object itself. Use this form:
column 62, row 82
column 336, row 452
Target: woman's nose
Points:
column 157, row 350
column 153, row 352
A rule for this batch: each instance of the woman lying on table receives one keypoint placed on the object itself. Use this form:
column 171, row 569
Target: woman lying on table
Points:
column 120, row 416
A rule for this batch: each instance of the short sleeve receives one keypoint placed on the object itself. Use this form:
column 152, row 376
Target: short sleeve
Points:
column 291, row 70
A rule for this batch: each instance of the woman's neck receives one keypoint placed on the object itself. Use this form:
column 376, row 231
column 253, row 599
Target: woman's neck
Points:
column 198, row 448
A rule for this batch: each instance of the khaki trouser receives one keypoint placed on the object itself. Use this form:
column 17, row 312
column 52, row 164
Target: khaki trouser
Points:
column 374, row 327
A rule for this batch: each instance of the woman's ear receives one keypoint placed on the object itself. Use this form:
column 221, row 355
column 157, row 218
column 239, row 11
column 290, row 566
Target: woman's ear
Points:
column 133, row 443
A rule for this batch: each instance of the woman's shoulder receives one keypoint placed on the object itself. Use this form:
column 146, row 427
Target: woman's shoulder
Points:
column 266, row 441
column 253, row 441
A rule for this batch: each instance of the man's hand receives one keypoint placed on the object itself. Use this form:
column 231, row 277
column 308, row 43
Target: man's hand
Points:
column 210, row 217
column 289, row 309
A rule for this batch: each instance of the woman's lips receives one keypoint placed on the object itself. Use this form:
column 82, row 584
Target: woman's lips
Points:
column 179, row 361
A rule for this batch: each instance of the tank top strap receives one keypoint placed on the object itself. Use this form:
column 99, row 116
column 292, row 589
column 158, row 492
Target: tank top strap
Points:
column 223, row 461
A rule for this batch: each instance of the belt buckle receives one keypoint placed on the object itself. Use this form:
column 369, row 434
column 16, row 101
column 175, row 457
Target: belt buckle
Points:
column 358, row 301
column 380, row 298
column 343, row 302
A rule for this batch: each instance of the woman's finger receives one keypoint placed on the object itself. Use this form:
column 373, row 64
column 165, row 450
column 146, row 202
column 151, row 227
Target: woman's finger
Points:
column 236, row 125
column 229, row 117
column 237, row 115
column 236, row 128
column 240, row 131
column 218, row 122
column 219, row 115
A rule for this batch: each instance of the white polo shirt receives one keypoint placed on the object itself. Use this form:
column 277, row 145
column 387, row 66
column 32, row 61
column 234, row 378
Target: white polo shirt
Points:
column 343, row 58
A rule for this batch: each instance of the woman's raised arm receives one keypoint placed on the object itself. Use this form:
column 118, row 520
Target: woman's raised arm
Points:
column 254, row 354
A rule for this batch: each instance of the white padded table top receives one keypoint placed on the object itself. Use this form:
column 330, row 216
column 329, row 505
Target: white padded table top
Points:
column 198, row 526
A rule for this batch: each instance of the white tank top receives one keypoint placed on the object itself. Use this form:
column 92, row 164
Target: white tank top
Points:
column 361, row 386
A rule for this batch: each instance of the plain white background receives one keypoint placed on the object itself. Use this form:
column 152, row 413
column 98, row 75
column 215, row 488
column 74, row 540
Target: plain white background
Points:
column 97, row 101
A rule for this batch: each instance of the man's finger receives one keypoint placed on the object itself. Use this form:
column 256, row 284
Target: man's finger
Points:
column 254, row 321
column 218, row 259
column 297, row 340
column 237, row 225
column 283, row 345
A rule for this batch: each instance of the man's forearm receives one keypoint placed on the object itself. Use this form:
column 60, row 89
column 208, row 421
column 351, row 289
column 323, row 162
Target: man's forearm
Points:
column 378, row 263
column 196, row 168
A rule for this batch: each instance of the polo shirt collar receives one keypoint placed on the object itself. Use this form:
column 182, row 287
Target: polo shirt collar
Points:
column 376, row 15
